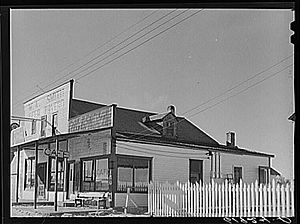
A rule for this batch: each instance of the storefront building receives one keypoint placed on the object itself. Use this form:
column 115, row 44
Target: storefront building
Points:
column 106, row 148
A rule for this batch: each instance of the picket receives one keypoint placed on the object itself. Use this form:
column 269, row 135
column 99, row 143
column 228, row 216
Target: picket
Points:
column 220, row 199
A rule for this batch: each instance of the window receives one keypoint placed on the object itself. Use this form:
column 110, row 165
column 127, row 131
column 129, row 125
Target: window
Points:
column 196, row 170
column 60, row 180
column 29, row 173
column 54, row 123
column 95, row 175
column 43, row 125
column 133, row 173
column 263, row 175
column 33, row 127
column 237, row 174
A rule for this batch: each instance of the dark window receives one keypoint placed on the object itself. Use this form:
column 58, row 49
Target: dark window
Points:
column 196, row 170
column 29, row 173
column 133, row 173
column 54, row 123
column 43, row 125
column 263, row 175
column 104, row 148
column 237, row 174
column 60, row 180
column 95, row 175
column 33, row 127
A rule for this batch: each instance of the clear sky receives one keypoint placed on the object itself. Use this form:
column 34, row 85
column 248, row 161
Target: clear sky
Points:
column 187, row 65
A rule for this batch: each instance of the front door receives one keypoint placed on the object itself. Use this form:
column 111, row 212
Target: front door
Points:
column 42, row 179
column 71, row 179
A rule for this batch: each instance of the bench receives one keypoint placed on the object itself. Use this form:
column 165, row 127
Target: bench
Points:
column 99, row 197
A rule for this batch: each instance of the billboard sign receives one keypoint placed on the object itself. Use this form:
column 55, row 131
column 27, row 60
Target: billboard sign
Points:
column 49, row 108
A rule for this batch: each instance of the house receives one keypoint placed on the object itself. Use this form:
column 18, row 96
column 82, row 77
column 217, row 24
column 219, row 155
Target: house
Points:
column 107, row 148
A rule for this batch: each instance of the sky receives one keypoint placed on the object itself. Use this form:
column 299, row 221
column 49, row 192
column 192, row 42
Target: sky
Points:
column 187, row 64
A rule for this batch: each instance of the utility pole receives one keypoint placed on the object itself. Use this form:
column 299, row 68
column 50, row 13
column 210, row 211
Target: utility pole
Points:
column 56, row 174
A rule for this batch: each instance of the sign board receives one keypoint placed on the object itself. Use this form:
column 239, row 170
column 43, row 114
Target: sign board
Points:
column 17, row 136
column 96, row 119
column 54, row 104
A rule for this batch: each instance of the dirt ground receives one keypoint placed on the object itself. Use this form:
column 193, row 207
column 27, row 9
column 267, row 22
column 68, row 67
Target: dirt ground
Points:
column 48, row 211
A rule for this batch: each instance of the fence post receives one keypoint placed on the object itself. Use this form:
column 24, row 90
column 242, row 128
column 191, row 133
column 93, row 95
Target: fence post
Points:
column 252, row 199
column 269, row 201
column 230, row 193
column 282, row 201
column 233, row 200
column 237, row 200
column 292, row 199
column 206, row 200
column 226, row 198
column 209, row 200
column 278, row 200
column 197, row 199
column 223, row 200
column 213, row 205
column 256, row 198
column 265, row 200
column 249, row 200
column 260, row 201
column 219, row 199
column 245, row 200
column 200, row 198
column 241, row 198
column 287, row 205
column 273, row 198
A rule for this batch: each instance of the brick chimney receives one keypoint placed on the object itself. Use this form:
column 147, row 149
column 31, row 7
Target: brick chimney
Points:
column 230, row 139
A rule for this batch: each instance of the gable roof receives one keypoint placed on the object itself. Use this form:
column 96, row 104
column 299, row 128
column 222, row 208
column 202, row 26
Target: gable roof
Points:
column 128, row 121
column 129, row 125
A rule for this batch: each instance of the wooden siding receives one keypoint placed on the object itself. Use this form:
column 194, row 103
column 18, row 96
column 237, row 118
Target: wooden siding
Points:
column 89, row 145
column 168, row 163
column 249, row 164
column 138, row 198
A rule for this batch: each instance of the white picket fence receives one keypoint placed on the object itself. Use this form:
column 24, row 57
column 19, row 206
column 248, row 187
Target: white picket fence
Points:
column 221, row 200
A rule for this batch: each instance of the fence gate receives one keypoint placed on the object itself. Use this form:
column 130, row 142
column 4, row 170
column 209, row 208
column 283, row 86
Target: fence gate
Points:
column 221, row 200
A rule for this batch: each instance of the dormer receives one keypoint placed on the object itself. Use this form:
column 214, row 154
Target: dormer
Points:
column 164, row 122
column 170, row 123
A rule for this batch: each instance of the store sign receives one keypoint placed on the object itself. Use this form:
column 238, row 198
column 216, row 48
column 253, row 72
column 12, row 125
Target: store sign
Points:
column 96, row 119
column 17, row 136
column 54, row 103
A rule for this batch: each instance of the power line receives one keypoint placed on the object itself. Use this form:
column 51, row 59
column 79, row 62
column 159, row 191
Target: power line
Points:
column 239, row 84
column 70, row 73
column 216, row 103
column 139, row 45
column 128, row 28
column 270, row 76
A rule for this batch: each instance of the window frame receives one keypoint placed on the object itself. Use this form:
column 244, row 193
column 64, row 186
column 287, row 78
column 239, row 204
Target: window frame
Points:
column 242, row 174
column 266, row 169
column 202, row 169
column 43, row 125
column 61, row 173
column 32, row 174
column 94, row 172
column 134, row 189
column 33, row 127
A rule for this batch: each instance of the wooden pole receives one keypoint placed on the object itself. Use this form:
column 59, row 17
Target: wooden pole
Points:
column 56, row 175
column 18, row 174
column 36, row 174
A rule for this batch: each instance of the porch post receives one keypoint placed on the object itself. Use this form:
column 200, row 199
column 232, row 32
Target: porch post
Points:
column 18, row 174
column 56, row 174
column 113, row 157
column 36, row 174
